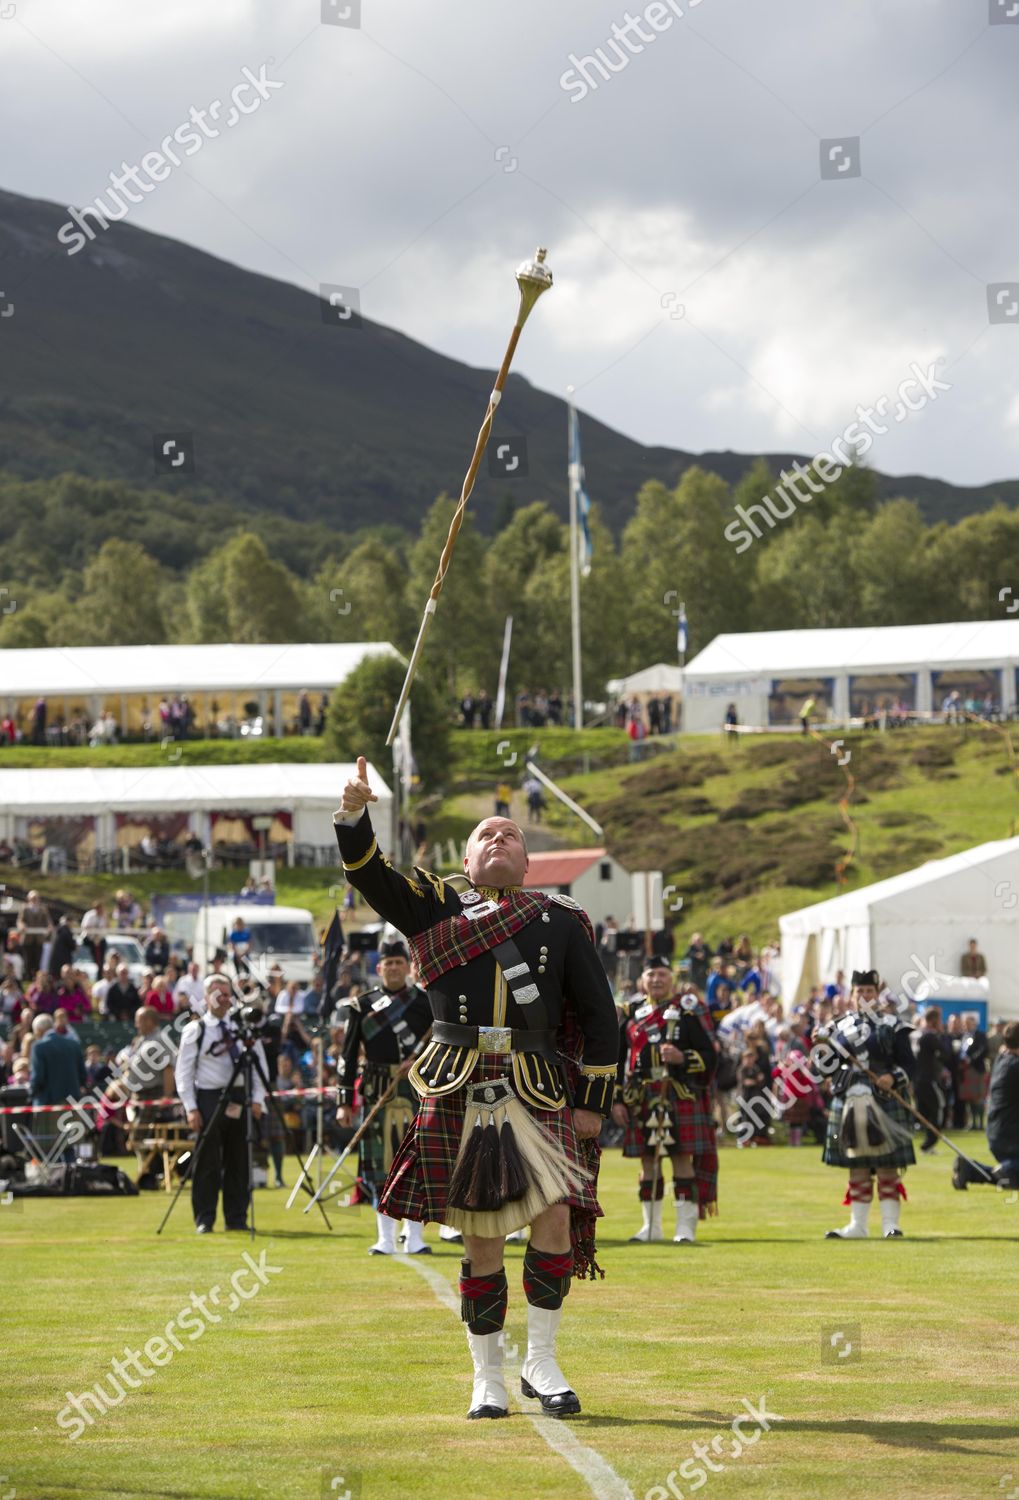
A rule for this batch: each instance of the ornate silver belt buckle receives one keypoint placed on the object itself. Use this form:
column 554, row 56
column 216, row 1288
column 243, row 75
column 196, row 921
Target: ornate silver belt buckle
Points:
column 493, row 1092
column 494, row 1039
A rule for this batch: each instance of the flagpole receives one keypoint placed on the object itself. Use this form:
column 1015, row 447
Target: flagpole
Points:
column 578, row 686
column 500, row 696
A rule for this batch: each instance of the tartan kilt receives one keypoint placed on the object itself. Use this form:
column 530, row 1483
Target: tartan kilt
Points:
column 380, row 1143
column 903, row 1154
column 419, row 1177
column 693, row 1130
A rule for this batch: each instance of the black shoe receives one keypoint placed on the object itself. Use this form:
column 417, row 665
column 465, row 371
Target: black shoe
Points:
column 958, row 1175
column 894, row 1234
column 562, row 1404
column 421, row 1250
column 203, row 1229
column 486, row 1411
column 237, row 1228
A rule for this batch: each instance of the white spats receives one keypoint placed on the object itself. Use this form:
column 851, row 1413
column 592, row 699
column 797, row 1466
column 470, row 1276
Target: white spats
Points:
column 415, row 1243
column 890, row 1211
column 540, row 1369
column 856, row 1229
column 386, row 1242
column 651, row 1229
column 686, row 1222
column 489, row 1397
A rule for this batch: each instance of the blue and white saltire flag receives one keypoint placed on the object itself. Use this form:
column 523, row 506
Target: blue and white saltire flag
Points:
column 681, row 631
column 579, row 495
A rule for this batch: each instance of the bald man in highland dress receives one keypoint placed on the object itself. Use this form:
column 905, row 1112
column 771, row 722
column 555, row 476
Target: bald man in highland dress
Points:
column 513, row 1086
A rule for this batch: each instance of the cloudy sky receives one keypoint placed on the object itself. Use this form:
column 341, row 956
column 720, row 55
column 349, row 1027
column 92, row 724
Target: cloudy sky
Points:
column 712, row 291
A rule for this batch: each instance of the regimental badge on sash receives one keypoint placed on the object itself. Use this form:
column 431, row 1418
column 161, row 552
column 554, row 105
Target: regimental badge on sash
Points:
column 566, row 901
column 689, row 1002
column 482, row 909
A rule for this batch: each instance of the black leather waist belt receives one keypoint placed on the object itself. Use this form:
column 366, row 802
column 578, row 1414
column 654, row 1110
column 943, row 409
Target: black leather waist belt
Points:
column 495, row 1040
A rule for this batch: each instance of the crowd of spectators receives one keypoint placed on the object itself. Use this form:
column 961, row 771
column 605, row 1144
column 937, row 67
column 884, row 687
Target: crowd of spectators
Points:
column 535, row 709
column 50, row 997
column 54, row 1008
column 658, row 714
column 172, row 717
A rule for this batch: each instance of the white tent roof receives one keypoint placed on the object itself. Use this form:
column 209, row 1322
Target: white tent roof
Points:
column 661, row 678
column 189, row 669
column 914, row 927
column 253, row 788
column 911, row 893
column 881, row 648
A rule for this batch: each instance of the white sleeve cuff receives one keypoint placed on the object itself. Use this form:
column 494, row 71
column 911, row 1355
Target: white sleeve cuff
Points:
column 347, row 820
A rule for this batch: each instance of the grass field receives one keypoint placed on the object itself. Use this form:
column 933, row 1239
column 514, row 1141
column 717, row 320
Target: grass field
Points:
column 347, row 1375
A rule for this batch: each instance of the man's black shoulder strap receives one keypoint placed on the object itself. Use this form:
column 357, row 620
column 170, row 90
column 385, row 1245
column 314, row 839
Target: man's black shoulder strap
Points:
column 517, row 974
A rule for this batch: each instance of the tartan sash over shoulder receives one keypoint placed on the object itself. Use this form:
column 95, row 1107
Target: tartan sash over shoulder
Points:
column 455, row 940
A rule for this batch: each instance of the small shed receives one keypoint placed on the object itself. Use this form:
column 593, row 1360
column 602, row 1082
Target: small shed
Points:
column 590, row 876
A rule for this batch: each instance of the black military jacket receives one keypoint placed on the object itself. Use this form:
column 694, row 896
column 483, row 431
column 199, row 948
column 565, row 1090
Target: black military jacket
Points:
column 684, row 1020
column 881, row 1046
column 386, row 1025
column 562, row 959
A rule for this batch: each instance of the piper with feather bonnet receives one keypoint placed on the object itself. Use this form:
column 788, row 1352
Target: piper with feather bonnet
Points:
column 869, row 1130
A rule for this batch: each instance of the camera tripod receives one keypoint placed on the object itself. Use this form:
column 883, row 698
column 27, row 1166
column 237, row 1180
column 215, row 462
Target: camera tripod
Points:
column 246, row 1066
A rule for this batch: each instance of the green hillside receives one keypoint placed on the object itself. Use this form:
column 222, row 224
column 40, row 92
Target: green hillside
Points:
column 743, row 832
column 285, row 413
column 748, row 831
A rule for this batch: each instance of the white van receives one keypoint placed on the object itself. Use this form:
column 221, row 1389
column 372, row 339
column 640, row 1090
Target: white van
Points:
column 280, row 935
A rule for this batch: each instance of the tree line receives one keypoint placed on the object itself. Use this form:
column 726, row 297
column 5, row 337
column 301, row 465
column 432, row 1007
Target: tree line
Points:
column 843, row 560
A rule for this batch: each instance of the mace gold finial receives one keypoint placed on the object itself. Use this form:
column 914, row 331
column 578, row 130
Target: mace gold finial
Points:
column 533, row 278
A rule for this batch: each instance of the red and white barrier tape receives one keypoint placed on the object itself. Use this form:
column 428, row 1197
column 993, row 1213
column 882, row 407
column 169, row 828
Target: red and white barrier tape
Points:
column 109, row 1104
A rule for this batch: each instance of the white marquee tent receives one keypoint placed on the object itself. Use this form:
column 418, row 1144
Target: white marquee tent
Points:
column 661, row 678
column 309, row 791
column 768, row 673
column 913, row 926
column 222, row 682
column 107, row 671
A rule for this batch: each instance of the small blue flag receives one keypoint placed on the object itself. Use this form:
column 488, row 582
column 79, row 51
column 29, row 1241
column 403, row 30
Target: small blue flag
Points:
column 577, row 490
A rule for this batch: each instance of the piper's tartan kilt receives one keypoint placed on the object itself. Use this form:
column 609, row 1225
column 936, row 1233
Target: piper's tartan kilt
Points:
column 902, row 1155
column 693, row 1133
column 419, row 1178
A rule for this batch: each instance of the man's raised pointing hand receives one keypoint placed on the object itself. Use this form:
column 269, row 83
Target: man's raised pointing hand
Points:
column 357, row 793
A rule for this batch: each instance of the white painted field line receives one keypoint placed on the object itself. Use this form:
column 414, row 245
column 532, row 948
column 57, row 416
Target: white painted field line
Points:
column 599, row 1476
